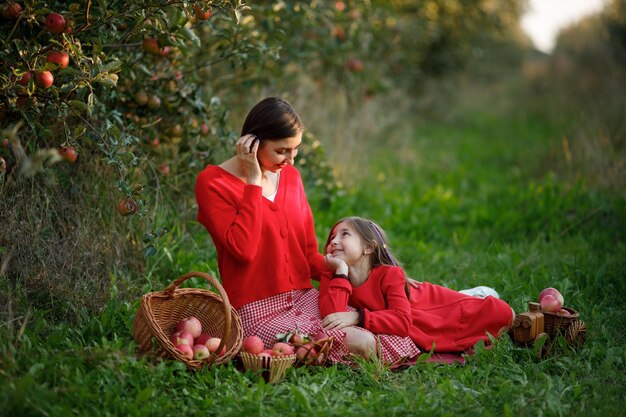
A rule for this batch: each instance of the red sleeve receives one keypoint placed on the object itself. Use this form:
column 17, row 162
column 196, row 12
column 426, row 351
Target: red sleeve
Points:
column 234, row 225
column 333, row 294
column 396, row 318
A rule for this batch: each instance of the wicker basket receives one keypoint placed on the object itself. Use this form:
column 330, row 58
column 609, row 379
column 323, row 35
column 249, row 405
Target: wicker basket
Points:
column 322, row 346
column 273, row 367
column 555, row 323
column 159, row 313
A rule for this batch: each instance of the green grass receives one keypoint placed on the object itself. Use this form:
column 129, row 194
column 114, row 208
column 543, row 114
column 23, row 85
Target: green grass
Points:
column 468, row 203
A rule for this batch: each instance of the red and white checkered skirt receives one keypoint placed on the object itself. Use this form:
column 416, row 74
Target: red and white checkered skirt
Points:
column 299, row 309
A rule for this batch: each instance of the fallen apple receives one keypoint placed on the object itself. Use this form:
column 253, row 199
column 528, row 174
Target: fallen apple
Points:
column 68, row 153
column 127, row 207
column 190, row 324
column 253, row 344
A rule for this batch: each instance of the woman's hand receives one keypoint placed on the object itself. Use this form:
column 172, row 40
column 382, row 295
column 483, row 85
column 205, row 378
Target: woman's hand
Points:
column 336, row 265
column 340, row 320
column 247, row 147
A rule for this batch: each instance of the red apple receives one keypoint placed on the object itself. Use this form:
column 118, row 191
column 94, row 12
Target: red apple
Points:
column 298, row 339
column 201, row 14
column 253, row 344
column 68, row 153
column 191, row 324
column 151, row 46
column 204, row 128
column 55, row 22
column 164, row 169
column 3, row 166
column 301, row 353
column 186, row 350
column 202, row 339
column 213, row 343
column 127, row 207
column 281, row 349
column 550, row 304
column 182, row 338
column 62, row 59
column 200, row 352
column 553, row 292
column 25, row 78
column 11, row 11
column 44, row 79
column 154, row 102
column 563, row 312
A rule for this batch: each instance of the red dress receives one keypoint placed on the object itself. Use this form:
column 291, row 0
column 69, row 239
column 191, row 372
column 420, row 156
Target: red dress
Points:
column 267, row 255
column 452, row 321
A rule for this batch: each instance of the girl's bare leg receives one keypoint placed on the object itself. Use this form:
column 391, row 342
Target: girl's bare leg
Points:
column 360, row 342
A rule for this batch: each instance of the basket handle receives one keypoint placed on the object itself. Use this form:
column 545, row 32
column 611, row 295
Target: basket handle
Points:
column 169, row 291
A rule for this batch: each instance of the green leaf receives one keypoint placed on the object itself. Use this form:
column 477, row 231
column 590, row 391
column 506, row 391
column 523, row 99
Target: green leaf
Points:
column 149, row 251
column 191, row 35
column 79, row 106
column 112, row 66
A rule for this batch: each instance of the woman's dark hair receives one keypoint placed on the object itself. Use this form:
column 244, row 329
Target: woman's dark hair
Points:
column 272, row 119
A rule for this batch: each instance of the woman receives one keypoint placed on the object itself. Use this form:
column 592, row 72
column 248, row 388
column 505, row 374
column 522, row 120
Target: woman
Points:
column 255, row 209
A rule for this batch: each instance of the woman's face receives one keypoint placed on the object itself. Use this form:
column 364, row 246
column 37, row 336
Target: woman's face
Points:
column 274, row 155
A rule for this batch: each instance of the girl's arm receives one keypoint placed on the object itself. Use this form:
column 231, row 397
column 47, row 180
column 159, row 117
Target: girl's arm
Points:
column 335, row 287
column 396, row 319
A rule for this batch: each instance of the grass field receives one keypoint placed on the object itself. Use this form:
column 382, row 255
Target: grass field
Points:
column 475, row 202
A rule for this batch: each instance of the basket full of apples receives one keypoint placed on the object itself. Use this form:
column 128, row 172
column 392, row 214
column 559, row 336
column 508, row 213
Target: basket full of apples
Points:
column 193, row 325
column 272, row 362
column 309, row 350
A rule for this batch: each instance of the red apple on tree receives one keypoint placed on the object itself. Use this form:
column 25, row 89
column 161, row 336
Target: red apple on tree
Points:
column 11, row 11
column 281, row 349
column 154, row 102
column 200, row 352
column 68, row 153
column 25, row 78
column 127, row 207
column 151, row 46
column 190, row 324
column 253, row 345
column 62, row 59
column 44, row 79
column 201, row 14
column 55, row 22
column 186, row 350
column 183, row 338
column 141, row 98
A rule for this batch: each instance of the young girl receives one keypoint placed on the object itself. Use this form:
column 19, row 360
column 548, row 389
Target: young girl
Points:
column 368, row 278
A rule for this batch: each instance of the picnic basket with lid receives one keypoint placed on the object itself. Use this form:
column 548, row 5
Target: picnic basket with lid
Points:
column 160, row 311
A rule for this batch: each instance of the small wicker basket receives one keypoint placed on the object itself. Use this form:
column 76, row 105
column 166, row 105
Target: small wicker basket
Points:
column 321, row 346
column 556, row 323
column 273, row 367
column 159, row 313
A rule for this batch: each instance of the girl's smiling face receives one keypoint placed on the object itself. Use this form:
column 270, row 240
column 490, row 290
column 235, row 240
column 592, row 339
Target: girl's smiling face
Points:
column 274, row 155
column 344, row 243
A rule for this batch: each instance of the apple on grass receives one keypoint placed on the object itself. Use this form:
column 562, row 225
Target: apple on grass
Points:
column 253, row 344
column 190, row 324
column 186, row 350
column 182, row 338
column 68, row 153
column 127, row 206
column 200, row 352
column 282, row 349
